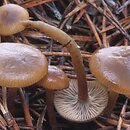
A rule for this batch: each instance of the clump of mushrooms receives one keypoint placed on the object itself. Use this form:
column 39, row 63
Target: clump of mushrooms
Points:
column 86, row 103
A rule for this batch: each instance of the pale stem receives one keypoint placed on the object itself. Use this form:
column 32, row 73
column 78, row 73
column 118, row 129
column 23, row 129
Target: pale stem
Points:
column 4, row 98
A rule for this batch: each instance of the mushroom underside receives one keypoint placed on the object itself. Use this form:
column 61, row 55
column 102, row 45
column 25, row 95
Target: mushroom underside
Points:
column 69, row 107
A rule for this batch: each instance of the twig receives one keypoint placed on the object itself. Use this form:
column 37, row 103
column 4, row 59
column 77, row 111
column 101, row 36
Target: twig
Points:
column 113, row 21
column 116, row 23
column 63, row 54
column 120, row 121
column 123, row 6
column 41, row 119
column 26, row 109
column 30, row 3
column 2, row 108
column 79, row 7
column 104, row 38
column 91, row 25
column 79, row 16
column 2, row 120
column 4, row 98
column 115, row 122
column 126, row 15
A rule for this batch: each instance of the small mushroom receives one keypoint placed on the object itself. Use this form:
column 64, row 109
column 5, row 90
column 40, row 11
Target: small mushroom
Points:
column 10, row 16
column 55, row 79
column 111, row 67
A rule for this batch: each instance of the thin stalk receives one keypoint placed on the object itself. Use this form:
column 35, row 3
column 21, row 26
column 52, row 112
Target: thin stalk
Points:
column 111, row 103
column 10, row 120
column 4, row 98
column 113, row 21
column 2, row 109
column 11, row 97
column 5, row 2
column 72, row 48
column 5, row 114
column 91, row 25
column 26, row 109
column 50, row 109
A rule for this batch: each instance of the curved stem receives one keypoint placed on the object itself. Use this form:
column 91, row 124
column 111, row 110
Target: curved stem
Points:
column 72, row 48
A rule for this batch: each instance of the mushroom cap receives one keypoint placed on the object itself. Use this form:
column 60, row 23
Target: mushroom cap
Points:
column 21, row 65
column 55, row 79
column 68, row 106
column 10, row 17
column 111, row 67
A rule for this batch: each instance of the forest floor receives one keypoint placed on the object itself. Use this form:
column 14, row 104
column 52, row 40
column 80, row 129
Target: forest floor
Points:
column 93, row 25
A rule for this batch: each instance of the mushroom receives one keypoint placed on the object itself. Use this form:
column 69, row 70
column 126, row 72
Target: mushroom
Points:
column 83, row 93
column 111, row 67
column 10, row 16
column 54, row 80
column 69, row 107
column 21, row 65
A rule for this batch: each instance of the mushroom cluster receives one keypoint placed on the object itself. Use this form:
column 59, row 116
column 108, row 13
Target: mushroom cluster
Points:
column 87, row 99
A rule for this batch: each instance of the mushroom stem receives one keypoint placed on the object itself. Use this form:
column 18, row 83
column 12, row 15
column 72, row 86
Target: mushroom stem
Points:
column 11, row 97
column 50, row 109
column 72, row 48
column 5, row 2
column 113, row 96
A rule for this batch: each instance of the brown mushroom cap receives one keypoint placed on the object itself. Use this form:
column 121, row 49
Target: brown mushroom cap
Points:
column 21, row 65
column 68, row 106
column 10, row 16
column 55, row 79
column 111, row 67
